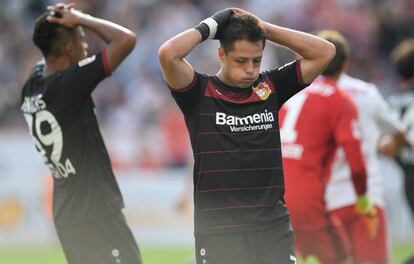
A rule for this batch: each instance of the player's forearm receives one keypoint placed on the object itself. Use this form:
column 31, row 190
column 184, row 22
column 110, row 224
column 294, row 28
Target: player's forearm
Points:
column 308, row 46
column 357, row 165
column 111, row 33
column 316, row 53
column 178, row 47
column 177, row 72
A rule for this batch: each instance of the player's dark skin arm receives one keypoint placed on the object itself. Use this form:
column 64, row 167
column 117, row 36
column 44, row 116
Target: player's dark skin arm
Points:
column 178, row 72
column 316, row 52
column 120, row 41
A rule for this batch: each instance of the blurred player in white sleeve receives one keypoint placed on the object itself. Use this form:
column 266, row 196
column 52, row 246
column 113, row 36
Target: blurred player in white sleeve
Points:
column 369, row 243
column 403, row 103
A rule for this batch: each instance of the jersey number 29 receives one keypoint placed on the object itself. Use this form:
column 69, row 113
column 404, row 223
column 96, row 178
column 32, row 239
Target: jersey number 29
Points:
column 48, row 138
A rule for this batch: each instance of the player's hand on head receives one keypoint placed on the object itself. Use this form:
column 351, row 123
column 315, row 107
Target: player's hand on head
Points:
column 211, row 28
column 244, row 12
column 65, row 15
column 240, row 11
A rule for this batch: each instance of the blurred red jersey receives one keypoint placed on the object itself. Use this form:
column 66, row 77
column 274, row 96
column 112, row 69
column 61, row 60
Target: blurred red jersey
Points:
column 313, row 124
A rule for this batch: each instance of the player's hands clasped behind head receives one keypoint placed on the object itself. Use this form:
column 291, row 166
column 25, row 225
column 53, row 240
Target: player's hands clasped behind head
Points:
column 240, row 11
column 69, row 16
column 212, row 27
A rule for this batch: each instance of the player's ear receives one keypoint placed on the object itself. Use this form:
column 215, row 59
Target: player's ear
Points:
column 221, row 54
column 70, row 52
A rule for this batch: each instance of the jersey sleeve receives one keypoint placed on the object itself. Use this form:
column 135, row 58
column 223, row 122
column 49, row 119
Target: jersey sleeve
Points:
column 188, row 98
column 79, row 81
column 386, row 118
column 345, row 120
column 347, row 135
column 287, row 80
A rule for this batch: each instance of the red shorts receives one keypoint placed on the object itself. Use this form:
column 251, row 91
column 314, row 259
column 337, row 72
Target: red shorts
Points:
column 364, row 249
column 330, row 245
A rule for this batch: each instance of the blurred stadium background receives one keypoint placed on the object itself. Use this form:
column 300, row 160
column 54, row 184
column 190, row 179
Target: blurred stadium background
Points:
column 143, row 128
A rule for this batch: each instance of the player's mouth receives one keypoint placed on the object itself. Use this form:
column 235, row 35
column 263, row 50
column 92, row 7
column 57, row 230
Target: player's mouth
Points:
column 248, row 80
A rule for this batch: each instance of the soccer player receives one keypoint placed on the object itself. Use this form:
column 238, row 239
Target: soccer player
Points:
column 403, row 102
column 240, row 215
column 376, row 118
column 58, row 108
column 314, row 123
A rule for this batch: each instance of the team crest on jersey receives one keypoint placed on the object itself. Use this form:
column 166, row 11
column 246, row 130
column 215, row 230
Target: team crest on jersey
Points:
column 262, row 90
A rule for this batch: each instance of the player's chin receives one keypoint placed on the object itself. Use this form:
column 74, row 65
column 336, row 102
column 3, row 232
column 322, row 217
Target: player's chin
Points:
column 246, row 82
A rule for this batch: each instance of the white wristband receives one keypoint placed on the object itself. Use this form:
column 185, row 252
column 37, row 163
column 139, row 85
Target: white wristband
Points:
column 212, row 25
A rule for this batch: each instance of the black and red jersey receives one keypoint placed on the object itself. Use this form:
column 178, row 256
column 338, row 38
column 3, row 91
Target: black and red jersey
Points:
column 60, row 114
column 238, row 175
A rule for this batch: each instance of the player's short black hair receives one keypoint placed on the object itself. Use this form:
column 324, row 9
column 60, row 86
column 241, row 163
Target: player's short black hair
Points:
column 403, row 57
column 50, row 37
column 241, row 27
column 342, row 51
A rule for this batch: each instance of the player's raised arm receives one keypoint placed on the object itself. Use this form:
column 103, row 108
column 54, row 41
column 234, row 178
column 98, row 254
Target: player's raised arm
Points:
column 178, row 73
column 316, row 53
column 120, row 40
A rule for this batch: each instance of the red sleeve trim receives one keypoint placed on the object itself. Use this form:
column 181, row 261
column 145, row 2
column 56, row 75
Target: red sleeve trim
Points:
column 299, row 74
column 186, row 88
column 105, row 63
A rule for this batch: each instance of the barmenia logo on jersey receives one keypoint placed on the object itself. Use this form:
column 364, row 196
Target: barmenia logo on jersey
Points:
column 262, row 90
column 247, row 123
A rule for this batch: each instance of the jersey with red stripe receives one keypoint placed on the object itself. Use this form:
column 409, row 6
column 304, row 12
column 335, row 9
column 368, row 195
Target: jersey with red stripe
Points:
column 238, row 177
column 313, row 124
column 59, row 111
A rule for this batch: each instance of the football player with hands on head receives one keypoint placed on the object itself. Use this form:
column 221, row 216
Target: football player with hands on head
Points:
column 59, row 110
column 240, row 215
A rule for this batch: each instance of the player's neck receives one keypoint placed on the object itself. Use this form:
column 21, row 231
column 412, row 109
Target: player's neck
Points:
column 334, row 78
column 55, row 64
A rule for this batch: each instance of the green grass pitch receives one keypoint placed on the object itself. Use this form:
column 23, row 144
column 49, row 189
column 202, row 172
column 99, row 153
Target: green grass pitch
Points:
column 54, row 255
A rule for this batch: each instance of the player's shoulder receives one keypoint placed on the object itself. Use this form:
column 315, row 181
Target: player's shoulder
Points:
column 323, row 87
column 35, row 74
column 286, row 67
column 199, row 81
column 352, row 84
column 201, row 75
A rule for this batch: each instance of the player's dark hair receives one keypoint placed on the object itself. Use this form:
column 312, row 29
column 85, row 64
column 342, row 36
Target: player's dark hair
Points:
column 342, row 51
column 241, row 27
column 50, row 37
column 403, row 57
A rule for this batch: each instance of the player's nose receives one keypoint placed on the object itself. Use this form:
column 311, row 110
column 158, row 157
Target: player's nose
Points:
column 249, row 67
